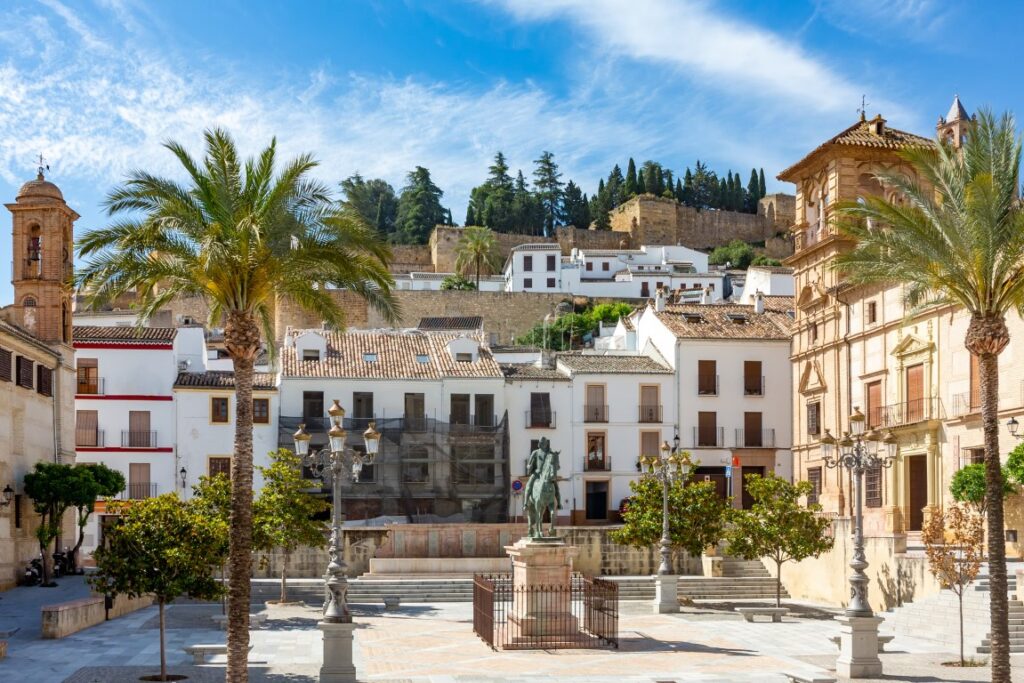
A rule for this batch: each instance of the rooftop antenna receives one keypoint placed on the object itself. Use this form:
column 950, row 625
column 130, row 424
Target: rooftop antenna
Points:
column 43, row 166
column 863, row 110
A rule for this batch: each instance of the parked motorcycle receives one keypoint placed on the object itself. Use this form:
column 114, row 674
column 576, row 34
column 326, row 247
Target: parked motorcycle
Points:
column 34, row 572
column 61, row 564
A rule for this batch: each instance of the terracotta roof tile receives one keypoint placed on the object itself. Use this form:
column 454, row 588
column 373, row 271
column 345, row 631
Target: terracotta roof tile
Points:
column 531, row 371
column 223, row 379
column 397, row 353
column 451, row 322
column 611, row 363
column 124, row 334
column 726, row 321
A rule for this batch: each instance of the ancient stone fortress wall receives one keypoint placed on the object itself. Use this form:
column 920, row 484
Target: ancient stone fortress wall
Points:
column 657, row 220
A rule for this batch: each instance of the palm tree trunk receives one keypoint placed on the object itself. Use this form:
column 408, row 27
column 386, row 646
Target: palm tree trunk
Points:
column 478, row 273
column 998, row 608
column 242, row 339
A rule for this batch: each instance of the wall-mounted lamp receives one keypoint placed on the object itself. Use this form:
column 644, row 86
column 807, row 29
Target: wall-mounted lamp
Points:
column 184, row 477
column 7, row 496
column 1013, row 426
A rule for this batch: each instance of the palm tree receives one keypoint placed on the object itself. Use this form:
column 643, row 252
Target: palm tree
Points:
column 957, row 237
column 476, row 249
column 238, row 235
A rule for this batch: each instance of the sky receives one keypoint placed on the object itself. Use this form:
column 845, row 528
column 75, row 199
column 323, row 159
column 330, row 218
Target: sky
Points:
column 381, row 86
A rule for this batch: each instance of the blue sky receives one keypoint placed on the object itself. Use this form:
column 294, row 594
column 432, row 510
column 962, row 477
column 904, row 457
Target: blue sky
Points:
column 381, row 86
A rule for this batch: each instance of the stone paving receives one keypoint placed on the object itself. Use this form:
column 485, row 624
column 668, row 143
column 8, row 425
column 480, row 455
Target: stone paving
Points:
column 424, row 643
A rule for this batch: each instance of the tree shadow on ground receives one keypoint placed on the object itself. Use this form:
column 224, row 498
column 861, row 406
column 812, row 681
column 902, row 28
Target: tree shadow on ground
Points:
column 637, row 641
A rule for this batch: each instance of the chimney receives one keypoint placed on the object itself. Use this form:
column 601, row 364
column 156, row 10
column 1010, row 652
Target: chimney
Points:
column 546, row 359
column 758, row 302
column 705, row 295
column 659, row 299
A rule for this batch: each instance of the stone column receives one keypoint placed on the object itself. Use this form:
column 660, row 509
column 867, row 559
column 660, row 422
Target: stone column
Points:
column 337, row 666
column 537, row 564
column 858, row 647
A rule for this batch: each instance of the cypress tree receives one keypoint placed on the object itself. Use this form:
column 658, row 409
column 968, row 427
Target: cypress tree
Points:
column 680, row 197
column 761, row 192
column 629, row 188
column 470, row 218
column 670, row 184
column 641, row 185
column 753, row 192
column 613, row 196
column 688, row 188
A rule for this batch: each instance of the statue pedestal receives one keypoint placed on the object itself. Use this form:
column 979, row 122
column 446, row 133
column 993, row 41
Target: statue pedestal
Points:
column 542, row 587
column 858, row 647
column 666, row 593
column 337, row 665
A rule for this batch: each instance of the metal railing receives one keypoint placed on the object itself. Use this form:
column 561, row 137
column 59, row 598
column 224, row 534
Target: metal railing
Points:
column 131, row 438
column 755, row 438
column 752, row 388
column 93, row 386
column 705, row 388
column 911, row 412
column 473, row 423
column 592, row 413
column 90, row 438
column 598, row 464
column 138, row 491
column 649, row 413
column 705, row 438
column 964, row 405
column 540, row 419
column 584, row 614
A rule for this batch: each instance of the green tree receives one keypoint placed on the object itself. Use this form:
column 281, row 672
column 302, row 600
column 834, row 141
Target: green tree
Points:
column 373, row 200
column 777, row 526
column 737, row 253
column 577, row 210
column 753, row 192
column 284, row 514
column 567, row 331
column 705, row 187
column 762, row 260
column 956, row 236
column 477, row 250
column 629, row 187
column 95, row 480
column 161, row 547
column 680, row 193
column 696, row 515
column 548, row 186
column 458, row 283
column 968, row 486
column 419, row 208
column 53, row 489
column 526, row 215
column 641, row 183
column 653, row 180
column 613, row 188
column 599, row 208
column 238, row 235
column 470, row 216
column 761, row 189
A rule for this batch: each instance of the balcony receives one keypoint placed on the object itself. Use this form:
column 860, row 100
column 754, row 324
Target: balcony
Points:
column 598, row 464
column 755, row 438
column 911, row 412
column 649, row 414
column 709, row 438
column 138, row 491
column 473, row 423
column 93, row 386
column 90, row 438
column 707, row 386
column 131, row 438
column 966, row 404
column 751, row 387
column 540, row 419
column 593, row 413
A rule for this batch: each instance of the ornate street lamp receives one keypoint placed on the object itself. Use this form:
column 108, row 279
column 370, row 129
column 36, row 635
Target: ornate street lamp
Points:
column 668, row 466
column 1012, row 425
column 858, row 452
column 7, row 497
column 337, row 464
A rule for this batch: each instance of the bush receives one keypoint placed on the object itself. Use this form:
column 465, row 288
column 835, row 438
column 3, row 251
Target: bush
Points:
column 567, row 332
column 457, row 283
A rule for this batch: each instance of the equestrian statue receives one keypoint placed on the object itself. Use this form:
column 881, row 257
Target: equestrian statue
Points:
column 542, row 490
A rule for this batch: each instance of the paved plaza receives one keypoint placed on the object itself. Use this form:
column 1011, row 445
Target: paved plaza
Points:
column 434, row 643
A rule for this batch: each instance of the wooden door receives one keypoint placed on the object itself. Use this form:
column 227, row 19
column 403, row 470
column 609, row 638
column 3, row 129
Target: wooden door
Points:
column 707, row 429
column 716, row 475
column 597, row 500
column 707, row 377
column 596, row 410
column 362, row 405
column 752, row 433
column 483, row 408
column 650, row 409
column 459, row 409
column 753, row 384
column 874, row 404
column 415, row 413
column 313, row 409
column 917, row 479
column 87, row 428
column 138, row 429
column 915, row 394
column 138, row 480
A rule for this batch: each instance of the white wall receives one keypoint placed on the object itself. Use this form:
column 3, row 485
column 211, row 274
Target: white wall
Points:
column 516, row 276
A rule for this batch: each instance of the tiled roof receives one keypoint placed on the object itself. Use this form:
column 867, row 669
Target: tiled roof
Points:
column 610, row 252
column 537, row 246
column 726, row 321
column 451, row 322
column 774, row 270
column 611, row 363
column 861, row 134
column 223, row 379
column 396, row 353
column 123, row 334
column 777, row 302
column 531, row 371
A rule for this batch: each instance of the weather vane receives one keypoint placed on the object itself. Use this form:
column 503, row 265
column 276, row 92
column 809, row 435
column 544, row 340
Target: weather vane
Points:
column 863, row 107
column 43, row 166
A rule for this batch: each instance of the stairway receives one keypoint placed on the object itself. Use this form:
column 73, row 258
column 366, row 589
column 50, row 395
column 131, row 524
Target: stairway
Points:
column 372, row 591
column 742, row 580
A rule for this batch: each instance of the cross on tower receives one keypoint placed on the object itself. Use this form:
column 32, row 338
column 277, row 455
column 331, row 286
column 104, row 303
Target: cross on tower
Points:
column 863, row 108
column 43, row 166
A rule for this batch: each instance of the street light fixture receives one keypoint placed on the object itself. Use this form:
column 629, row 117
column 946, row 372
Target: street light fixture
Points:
column 669, row 465
column 1013, row 426
column 184, row 477
column 7, row 496
column 858, row 452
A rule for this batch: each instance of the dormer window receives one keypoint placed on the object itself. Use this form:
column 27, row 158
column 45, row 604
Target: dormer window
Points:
column 693, row 317
column 422, row 358
column 738, row 318
column 311, row 354
column 370, row 357
column 463, row 358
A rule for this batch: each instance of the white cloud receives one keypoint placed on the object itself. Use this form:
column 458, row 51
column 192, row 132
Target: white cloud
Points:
column 703, row 44
column 917, row 20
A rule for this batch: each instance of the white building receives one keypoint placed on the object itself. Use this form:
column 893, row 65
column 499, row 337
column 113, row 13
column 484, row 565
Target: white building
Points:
column 438, row 400
column 431, row 282
column 534, row 268
column 732, row 388
column 769, row 280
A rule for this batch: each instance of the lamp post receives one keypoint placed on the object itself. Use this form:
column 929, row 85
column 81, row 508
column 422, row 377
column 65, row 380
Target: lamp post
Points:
column 669, row 465
column 857, row 452
column 7, row 496
column 336, row 463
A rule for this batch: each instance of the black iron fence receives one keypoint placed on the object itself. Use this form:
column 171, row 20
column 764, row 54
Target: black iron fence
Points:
column 584, row 614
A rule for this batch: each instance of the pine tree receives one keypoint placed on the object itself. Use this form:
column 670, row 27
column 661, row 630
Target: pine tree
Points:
column 577, row 212
column 629, row 189
column 373, row 200
column 419, row 208
column 641, row 183
column 761, row 192
column 753, row 192
column 688, row 189
column 599, row 207
column 548, row 185
column 498, row 173
column 613, row 188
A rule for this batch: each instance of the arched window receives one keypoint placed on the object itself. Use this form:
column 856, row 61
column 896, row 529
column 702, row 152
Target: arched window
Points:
column 29, row 302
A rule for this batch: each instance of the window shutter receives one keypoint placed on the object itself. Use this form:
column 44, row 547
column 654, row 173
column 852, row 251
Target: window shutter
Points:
column 24, row 372
column 5, row 365
column 813, row 418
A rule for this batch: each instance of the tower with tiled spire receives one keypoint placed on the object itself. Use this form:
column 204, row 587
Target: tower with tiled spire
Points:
column 43, row 225
column 954, row 126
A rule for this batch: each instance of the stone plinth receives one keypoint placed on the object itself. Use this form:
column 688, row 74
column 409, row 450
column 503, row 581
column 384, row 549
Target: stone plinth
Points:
column 539, row 564
column 858, row 647
column 666, row 594
column 337, row 666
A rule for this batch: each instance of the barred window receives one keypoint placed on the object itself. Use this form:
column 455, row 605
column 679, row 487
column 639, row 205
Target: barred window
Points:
column 873, row 486
column 5, row 365
column 814, row 418
column 25, row 372
column 44, row 380
column 814, row 476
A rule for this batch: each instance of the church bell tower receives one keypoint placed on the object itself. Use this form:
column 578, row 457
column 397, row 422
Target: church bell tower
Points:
column 955, row 125
column 43, row 260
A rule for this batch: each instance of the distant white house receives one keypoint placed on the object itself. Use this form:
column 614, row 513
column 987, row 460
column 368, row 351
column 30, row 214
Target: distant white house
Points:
column 769, row 280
